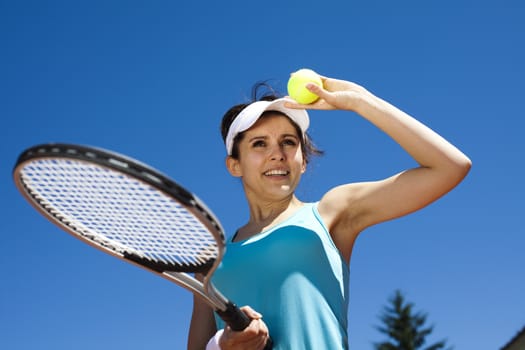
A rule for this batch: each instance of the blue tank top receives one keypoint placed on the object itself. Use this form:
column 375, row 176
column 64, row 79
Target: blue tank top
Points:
column 295, row 276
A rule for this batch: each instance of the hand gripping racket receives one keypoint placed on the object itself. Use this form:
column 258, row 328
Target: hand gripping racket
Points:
column 130, row 211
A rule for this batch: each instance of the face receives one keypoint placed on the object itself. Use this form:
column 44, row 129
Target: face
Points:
column 270, row 160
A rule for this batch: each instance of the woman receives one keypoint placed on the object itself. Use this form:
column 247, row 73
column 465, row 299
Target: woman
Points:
column 292, row 258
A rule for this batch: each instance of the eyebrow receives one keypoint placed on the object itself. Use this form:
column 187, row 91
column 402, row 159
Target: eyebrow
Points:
column 266, row 137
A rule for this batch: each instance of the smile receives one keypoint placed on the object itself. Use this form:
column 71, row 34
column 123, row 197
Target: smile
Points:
column 277, row 172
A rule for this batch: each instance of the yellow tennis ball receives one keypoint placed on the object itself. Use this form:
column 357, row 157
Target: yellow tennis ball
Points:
column 297, row 86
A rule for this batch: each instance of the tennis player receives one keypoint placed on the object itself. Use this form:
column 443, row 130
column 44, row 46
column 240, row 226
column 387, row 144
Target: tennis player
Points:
column 289, row 264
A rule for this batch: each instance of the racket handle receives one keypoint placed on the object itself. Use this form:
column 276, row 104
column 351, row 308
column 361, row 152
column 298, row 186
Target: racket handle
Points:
column 234, row 317
column 237, row 320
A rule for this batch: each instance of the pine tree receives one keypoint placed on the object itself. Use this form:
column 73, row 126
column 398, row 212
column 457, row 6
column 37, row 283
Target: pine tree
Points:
column 405, row 328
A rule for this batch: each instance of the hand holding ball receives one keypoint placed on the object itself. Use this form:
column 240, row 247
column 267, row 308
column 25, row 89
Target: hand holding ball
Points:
column 297, row 86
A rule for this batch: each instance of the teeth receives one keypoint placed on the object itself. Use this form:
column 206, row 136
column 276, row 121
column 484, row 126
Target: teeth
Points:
column 276, row 172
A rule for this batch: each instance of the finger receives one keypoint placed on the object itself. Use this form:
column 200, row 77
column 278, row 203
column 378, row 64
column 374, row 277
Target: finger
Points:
column 255, row 344
column 319, row 104
column 256, row 329
column 318, row 90
column 261, row 343
column 243, row 340
column 260, row 340
column 251, row 313
column 235, row 340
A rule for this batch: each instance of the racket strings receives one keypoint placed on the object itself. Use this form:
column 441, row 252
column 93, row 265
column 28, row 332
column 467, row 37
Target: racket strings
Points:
column 119, row 212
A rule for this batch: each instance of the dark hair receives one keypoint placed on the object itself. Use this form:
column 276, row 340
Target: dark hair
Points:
column 307, row 145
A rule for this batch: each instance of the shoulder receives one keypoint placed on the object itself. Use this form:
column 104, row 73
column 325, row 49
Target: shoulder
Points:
column 340, row 201
column 341, row 210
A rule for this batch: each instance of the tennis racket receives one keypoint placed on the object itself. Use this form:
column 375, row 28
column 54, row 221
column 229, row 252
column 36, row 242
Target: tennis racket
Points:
column 131, row 211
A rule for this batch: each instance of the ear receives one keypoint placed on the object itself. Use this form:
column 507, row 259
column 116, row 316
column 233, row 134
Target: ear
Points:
column 303, row 167
column 233, row 166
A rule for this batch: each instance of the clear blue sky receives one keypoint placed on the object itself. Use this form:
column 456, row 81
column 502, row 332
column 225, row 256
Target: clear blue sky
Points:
column 151, row 79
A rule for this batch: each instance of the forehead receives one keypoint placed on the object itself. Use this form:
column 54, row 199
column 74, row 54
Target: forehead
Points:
column 273, row 121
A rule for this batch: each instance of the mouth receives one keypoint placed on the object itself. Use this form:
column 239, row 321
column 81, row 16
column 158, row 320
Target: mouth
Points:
column 276, row 172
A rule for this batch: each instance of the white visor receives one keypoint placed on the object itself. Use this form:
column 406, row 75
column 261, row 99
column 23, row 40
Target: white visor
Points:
column 251, row 113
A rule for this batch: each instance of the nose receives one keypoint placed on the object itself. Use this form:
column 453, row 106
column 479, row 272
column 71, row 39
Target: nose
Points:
column 277, row 153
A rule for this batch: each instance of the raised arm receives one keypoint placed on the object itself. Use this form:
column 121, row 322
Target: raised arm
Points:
column 348, row 209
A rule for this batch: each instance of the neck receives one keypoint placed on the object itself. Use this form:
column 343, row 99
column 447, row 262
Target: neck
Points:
column 261, row 212
column 264, row 215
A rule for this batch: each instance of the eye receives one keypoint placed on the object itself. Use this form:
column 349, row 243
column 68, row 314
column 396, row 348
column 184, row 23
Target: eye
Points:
column 290, row 142
column 259, row 143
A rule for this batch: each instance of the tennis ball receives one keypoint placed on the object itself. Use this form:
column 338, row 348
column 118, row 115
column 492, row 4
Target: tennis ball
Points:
column 297, row 86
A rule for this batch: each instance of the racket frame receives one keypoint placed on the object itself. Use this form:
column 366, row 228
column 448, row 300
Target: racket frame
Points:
column 141, row 172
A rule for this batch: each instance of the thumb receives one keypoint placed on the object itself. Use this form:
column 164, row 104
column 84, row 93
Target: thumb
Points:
column 326, row 98
column 251, row 313
column 318, row 90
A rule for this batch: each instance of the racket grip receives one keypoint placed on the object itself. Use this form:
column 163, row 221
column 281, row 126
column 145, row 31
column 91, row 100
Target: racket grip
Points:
column 237, row 320
column 234, row 317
